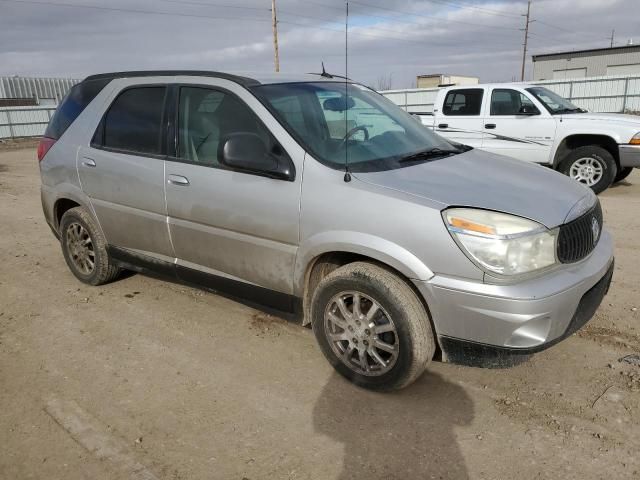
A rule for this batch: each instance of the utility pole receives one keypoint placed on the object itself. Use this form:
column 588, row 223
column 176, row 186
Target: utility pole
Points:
column 613, row 32
column 274, row 20
column 526, row 39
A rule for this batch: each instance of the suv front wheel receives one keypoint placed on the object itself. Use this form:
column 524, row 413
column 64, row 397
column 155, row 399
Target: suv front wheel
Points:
column 372, row 327
column 85, row 249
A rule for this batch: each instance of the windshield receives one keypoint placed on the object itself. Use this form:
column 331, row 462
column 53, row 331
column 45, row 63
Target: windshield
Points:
column 370, row 130
column 553, row 102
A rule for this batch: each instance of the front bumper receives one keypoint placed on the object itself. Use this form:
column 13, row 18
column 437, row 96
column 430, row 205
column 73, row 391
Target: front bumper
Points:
column 629, row 155
column 520, row 318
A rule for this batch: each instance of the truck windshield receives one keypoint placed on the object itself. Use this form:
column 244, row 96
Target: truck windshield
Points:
column 337, row 122
column 553, row 102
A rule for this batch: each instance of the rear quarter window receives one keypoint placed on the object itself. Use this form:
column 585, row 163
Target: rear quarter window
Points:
column 73, row 105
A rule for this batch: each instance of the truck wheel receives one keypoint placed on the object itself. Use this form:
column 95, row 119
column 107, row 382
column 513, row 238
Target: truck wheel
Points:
column 372, row 327
column 622, row 174
column 85, row 249
column 592, row 166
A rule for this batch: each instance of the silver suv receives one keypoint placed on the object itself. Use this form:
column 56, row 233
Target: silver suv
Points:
column 318, row 195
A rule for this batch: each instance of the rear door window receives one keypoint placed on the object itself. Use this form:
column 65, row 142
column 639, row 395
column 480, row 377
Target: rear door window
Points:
column 464, row 102
column 133, row 122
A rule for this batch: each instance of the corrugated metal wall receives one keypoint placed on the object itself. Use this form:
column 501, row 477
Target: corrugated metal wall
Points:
column 24, row 121
column 600, row 94
column 31, row 87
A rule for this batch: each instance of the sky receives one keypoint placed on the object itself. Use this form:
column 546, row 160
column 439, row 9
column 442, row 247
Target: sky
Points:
column 388, row 41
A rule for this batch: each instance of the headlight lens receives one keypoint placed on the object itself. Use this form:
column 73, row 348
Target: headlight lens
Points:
column 635, row 140
column 500, row 243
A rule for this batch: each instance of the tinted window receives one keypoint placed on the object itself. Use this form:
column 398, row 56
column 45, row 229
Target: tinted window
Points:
column 206, row 117
column 133, row 123
column 463, row 102
column 72, row 105
column 509, row 102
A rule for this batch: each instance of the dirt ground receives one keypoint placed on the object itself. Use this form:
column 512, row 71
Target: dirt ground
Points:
column 147, row 379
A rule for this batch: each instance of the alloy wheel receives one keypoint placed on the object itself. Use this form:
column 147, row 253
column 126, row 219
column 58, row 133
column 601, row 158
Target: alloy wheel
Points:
column 361, row 333
column 80, row 248
column 587, row 170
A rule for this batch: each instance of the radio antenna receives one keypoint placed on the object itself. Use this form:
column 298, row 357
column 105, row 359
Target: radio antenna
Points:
column 347, row 174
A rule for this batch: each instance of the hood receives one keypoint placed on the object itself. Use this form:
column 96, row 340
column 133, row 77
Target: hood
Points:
column 618, row 118
column 493, row 182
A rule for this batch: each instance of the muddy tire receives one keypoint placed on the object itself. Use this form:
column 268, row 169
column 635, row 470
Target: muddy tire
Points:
column 372, row 327
column 592, row 166
column 622, row 174
column 85, row 249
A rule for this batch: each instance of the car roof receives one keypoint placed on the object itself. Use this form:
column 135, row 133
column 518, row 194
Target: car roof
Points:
column 250, row 80
column 493, row 85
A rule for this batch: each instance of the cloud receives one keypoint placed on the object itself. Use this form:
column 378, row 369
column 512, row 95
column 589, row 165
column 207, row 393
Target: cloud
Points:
column 399, row 37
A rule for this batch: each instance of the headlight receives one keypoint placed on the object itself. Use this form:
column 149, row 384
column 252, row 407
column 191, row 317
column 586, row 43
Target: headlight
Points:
column 500, row 243
column 635, row 140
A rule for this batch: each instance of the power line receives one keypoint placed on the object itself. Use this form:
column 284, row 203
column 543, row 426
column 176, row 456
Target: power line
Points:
column 486, row 11
column 130, row 10
column 377, row 28
column 217, row 17
column 428, row 17
column 218, row 5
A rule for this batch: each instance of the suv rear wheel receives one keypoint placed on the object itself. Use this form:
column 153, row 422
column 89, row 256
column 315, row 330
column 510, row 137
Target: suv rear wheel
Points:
column 372, row 327
column 85, row 249
column 592, row 166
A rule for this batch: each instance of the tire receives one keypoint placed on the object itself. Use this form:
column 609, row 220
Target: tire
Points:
column 400, row 320
column 593, row 157
column 622, row 174
column 85, row 249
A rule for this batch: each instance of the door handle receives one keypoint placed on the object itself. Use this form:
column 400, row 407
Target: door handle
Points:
column 88, row 162
column 443, row 125
column 490, row 126
column 178, row 180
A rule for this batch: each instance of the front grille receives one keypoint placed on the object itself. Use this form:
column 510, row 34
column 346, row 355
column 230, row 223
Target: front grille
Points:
column 578, row 238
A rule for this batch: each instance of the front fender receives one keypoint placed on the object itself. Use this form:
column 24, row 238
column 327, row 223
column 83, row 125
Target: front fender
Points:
column 359, row 243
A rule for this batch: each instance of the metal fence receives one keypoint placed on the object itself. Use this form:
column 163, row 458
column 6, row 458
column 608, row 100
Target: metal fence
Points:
column 24, row 121
column 599, row 94
column 613, row 94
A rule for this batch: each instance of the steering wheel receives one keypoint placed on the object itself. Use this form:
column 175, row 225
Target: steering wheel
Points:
column 354, row 130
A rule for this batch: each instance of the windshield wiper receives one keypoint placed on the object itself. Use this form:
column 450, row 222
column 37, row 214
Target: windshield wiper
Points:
column 571, row 110
column 434, row 152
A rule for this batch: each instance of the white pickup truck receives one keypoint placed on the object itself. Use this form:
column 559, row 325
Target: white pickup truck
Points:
column 534, row 124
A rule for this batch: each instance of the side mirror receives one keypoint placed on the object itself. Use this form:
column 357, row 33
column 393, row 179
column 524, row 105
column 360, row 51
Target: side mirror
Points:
column 246, row 151
column 339, row 104
column 528, row 110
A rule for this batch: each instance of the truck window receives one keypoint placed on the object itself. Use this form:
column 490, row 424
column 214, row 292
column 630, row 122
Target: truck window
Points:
column 465, row 102
column 509, row 102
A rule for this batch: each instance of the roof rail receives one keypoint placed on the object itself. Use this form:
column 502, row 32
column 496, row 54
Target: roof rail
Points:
column 244, row 81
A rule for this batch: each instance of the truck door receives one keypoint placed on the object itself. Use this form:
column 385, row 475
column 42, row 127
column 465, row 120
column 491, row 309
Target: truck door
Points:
column 516, row 127
column 460, row 117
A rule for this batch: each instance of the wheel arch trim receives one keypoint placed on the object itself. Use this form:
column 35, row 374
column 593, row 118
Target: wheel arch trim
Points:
column 358, row 243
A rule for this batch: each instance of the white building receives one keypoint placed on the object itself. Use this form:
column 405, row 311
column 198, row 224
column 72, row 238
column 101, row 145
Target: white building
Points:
column 587, row 63
column 442, row 79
